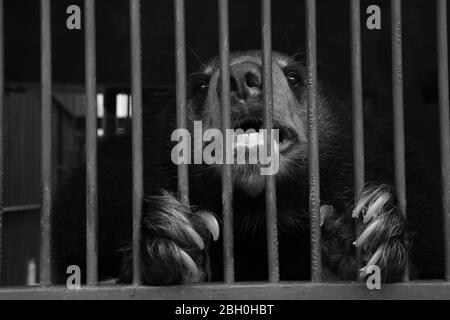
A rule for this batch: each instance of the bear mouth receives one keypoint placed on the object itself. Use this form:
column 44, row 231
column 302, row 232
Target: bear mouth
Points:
column 286, row 136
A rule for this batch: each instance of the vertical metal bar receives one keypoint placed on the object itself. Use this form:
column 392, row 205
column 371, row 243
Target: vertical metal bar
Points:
column 397, row 89
column 227, row 183
column 2, row 106
column 46, row 141
column 271, row 202
column 442, row 43
column 313, row 137
column 180, row 47
column 138, row 184
column 91, row 144
column 357, row 103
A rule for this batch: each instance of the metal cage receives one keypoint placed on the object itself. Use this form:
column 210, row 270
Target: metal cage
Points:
column 230, row 289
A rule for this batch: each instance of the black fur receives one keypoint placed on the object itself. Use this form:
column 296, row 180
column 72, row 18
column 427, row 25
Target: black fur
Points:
column 164, row 217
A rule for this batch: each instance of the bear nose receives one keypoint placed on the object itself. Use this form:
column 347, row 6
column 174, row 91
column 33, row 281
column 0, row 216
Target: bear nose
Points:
column 245, row 81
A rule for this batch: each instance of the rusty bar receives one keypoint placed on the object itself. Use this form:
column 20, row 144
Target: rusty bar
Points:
column 180, row 47
column 271, row 202
column 136, row 93
column 46, row 141
column 2, row 107
column 91, row 145
column 442, row 43
column 227, row 182
column 313, row 138
column 357, row 104
column 399, row 126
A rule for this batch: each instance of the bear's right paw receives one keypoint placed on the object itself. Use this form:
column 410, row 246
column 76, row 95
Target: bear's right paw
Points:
column 174, row 242
column 383, row 241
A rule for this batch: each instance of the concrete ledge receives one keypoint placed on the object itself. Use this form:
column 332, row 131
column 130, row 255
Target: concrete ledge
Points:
column 250, row 291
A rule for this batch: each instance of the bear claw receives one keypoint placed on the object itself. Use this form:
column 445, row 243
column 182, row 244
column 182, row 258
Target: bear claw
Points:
column 211, row 224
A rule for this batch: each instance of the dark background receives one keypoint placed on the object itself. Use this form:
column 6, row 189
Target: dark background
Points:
column 113, row 51
column 22, row 71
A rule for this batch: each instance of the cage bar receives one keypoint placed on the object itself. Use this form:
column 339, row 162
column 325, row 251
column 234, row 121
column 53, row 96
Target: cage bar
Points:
column 357, row 104
column 2, row 107
column 180, row 47
column 138, row 184
column 227, row 183
column 46, row 141
column 399, row 126
column 313, row 138
column 442, row 43
column 271, row 204
column 91, row 145
column 417, row 290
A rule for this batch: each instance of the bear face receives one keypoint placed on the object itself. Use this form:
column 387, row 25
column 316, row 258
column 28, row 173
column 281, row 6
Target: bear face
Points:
column 247, row 111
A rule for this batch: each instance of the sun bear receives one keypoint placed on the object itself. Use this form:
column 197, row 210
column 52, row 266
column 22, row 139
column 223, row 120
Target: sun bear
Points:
column 182, row 244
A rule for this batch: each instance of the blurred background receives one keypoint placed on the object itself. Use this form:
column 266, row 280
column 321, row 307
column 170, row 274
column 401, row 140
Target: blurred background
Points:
column 22, row 72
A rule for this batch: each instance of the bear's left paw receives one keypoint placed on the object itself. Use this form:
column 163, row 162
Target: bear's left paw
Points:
column 383, row 240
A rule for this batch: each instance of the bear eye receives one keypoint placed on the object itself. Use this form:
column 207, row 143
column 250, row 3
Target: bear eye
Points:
column 293, row 79
column 201, row 88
